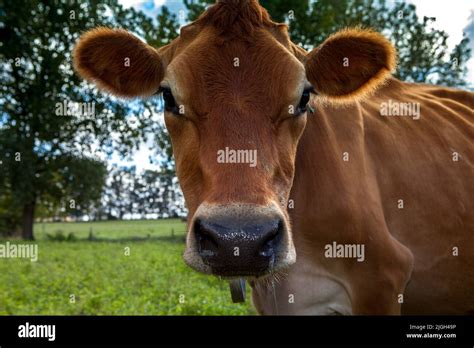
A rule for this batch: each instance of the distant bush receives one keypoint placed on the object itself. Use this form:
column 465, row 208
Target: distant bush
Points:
column 60, row 236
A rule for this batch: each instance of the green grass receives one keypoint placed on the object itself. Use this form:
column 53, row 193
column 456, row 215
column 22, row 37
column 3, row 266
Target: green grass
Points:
column 104, row 281
column 112, row 229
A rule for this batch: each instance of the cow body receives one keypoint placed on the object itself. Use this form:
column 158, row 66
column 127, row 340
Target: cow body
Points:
column 429, row 237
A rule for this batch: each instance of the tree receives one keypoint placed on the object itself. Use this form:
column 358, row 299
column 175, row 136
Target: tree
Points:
column 150, row 193
column 119, row 191
column 50, row 121
column 159, row 194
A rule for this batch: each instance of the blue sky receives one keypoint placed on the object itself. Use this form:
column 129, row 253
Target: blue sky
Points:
column 151, row 7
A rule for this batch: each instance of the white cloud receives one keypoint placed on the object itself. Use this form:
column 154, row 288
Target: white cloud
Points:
column 452, row 17
column 140, row 158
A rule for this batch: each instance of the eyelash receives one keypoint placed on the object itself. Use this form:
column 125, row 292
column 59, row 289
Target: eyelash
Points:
column 170, row 102
column 304, row 100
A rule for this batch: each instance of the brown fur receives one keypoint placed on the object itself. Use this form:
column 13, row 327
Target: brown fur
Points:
column 371, row 59
column 301, row 158
column 236, row 18
column 100, row 56
column 391, row 158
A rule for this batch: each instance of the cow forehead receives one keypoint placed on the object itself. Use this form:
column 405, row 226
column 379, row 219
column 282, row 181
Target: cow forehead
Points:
column 208, row 70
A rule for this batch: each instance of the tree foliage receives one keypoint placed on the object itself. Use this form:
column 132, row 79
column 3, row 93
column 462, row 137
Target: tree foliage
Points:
column 149, row 194
column 49, row 158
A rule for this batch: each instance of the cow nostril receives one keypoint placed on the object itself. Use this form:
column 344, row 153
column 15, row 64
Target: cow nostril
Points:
column 230, row 246
column 271, row 241
column 207, row 245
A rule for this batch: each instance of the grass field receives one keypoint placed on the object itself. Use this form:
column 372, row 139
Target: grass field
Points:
column 83, row 269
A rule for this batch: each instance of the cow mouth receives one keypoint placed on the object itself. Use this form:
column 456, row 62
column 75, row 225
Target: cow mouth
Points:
column 235, row 274
column 243, row 268
column 274, row 270
column 237, row 286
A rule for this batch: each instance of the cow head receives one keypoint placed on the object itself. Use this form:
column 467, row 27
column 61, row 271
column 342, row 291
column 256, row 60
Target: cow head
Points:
column 236, row 94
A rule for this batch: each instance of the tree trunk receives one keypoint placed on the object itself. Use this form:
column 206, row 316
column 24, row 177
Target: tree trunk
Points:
column 28, row 220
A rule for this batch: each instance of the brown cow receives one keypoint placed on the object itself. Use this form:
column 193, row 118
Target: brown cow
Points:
column 371, row 194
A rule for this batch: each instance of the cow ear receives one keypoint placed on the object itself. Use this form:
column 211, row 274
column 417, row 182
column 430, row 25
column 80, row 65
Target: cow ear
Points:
column 350, row 64
column 118, row 62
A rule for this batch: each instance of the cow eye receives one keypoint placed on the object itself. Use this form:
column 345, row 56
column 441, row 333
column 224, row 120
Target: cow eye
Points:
column 170, row 102
column 302, row 105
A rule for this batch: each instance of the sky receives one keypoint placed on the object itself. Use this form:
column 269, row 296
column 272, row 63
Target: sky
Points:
column 455, row 17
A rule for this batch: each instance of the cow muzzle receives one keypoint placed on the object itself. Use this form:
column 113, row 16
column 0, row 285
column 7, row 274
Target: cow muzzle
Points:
column 239, row 240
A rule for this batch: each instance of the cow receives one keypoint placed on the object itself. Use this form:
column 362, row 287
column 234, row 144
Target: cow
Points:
column 331, row 186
